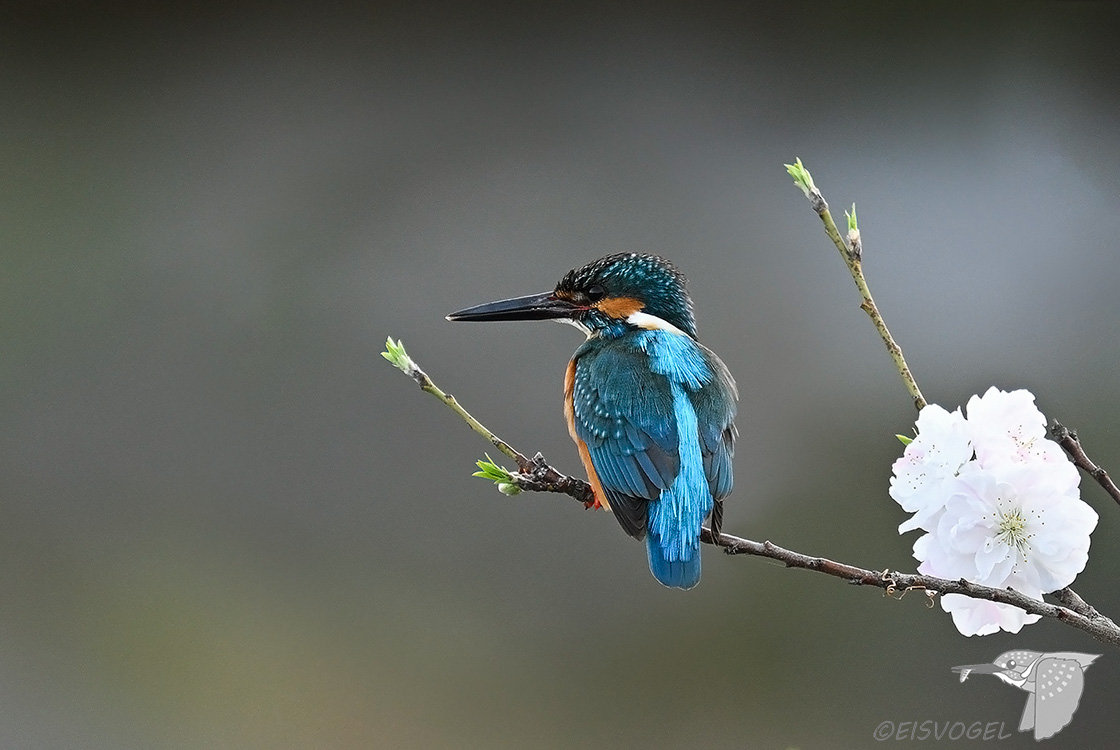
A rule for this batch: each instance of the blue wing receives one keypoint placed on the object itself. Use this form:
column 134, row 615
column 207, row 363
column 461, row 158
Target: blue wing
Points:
column 623, row 412
column 715, row 415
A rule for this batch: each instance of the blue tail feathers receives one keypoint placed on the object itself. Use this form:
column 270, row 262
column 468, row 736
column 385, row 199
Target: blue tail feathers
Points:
column 673, row 524
column 678, row 574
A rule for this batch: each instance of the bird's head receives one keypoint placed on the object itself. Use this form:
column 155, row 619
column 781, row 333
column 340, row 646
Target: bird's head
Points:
column 610, row 296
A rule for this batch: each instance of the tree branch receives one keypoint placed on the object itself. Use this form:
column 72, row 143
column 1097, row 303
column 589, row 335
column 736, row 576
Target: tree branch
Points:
column 1075, row 611
column 537, row 475
column 1067, row 438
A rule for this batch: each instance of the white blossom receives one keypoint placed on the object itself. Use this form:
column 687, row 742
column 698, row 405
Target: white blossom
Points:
column 1007, row 428
column 941, row 447
column 1000, row 505
column 982, row 617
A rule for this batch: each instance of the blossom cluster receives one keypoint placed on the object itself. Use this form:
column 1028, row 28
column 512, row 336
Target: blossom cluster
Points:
column 999, row 503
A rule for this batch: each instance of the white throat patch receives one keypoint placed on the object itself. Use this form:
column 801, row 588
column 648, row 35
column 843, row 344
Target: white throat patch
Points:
column 652, row 323
column 576, row 323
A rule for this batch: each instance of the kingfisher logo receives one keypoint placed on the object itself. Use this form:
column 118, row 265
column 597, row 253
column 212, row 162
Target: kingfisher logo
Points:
column 1053, row 683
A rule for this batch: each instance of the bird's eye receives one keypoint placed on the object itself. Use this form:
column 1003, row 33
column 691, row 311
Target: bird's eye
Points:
column 1011, row 664
column 596, row 293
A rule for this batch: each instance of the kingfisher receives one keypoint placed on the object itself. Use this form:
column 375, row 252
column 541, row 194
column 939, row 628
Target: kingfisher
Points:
column 1054, row 683
column 650, row 408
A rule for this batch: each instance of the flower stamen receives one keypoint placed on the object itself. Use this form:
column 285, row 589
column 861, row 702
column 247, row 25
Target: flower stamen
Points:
column 1013, row 530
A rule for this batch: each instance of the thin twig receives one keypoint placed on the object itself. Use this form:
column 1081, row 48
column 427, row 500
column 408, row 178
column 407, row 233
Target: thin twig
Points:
column 1067, row 438
column 533, row 474
column 537, row 476
column 852, row 253
column 395, row 353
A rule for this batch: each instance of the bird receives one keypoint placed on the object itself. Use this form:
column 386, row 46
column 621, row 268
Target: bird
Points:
column 1054, row 683
column 650, row 408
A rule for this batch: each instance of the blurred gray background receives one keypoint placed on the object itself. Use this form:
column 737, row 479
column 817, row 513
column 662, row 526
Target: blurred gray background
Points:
column 226, row 522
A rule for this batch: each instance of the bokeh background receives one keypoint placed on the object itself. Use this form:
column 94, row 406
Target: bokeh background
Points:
column 226, row 522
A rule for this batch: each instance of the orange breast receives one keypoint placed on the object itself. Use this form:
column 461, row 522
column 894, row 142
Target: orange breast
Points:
column 584, row 455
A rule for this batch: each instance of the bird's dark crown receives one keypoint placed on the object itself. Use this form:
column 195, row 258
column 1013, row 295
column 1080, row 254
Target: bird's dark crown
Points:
column 613, row 287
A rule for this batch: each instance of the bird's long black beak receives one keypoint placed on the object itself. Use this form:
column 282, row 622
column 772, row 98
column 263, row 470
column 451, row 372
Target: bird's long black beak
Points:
column 544, row 306
column 966, row 669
